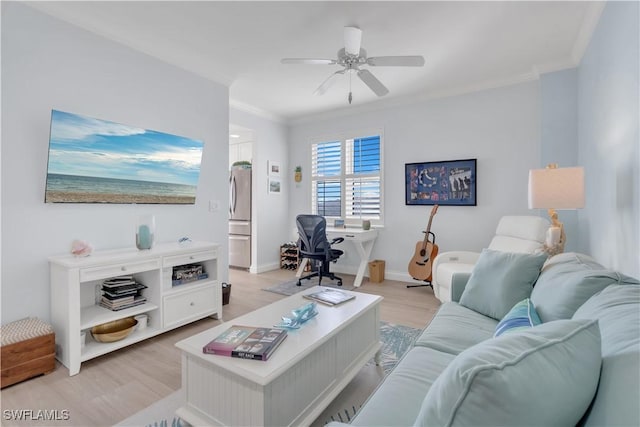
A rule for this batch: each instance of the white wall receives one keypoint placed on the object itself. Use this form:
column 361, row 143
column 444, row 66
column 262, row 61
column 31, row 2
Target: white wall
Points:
column 499, row 127
column 48, row 64
column 559, row 135
column 609, row 139
column 269, row 211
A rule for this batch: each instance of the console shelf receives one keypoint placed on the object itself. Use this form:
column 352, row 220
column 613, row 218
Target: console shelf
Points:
column 75, row 294
column 94, row 348
column 94, row 315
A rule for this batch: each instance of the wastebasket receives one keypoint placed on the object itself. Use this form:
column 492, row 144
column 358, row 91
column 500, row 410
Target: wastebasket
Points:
column 376, row 271
column 226, row 293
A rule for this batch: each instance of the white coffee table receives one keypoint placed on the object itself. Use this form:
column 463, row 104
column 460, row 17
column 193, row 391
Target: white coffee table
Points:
column 302, row 377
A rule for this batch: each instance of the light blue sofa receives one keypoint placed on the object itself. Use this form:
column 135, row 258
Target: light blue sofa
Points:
column 570, row 370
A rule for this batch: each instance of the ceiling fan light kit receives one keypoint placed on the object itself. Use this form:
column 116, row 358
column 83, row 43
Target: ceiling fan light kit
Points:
column 351, row 58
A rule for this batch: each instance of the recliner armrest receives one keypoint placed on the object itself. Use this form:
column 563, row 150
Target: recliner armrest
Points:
column 466, row 257
column 463, row 257
column 458, row 283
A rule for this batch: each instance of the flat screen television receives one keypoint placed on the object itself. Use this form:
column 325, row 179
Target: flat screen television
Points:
column 97, row 161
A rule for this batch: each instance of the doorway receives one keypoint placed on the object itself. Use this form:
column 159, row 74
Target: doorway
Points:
column 240, row 196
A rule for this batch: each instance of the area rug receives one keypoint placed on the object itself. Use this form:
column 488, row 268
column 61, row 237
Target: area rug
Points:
column 396, row 340
column 291, row 287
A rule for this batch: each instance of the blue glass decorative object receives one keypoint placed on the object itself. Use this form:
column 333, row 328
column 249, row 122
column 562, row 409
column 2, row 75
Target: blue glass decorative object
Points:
column 145, row 232
column 298, row 316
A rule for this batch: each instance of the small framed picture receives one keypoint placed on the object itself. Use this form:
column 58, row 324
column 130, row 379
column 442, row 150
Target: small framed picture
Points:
column 274, row 185
column 274, row 168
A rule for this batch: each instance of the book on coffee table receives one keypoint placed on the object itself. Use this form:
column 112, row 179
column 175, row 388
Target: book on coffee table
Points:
column 330, row 296
column 246, row 342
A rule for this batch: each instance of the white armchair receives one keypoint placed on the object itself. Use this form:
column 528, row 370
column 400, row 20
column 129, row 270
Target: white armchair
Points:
column 525, row 234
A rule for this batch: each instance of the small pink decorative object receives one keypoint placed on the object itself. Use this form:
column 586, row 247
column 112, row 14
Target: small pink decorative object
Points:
column 80, row 248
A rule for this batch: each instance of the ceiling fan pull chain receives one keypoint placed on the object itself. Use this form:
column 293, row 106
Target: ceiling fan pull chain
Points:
column 350, row 96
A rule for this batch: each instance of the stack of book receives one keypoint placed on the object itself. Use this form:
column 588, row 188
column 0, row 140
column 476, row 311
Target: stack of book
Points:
column 330, row 296
column 122, row 292
column 187, row 273
column 246, row 342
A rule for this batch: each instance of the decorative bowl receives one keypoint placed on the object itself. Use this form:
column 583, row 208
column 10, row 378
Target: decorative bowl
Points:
column 114, row 331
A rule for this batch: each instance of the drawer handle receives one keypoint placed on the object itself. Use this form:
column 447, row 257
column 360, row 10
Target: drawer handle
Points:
column 123, row 268
column 192, row 257
column 192, row 303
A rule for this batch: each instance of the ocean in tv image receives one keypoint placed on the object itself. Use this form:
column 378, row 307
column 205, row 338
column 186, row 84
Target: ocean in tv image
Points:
column 97, row 161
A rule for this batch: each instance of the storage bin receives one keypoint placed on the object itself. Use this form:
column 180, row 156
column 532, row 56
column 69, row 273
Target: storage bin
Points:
column 376, row 271
column 226, row 293
column 28, row 350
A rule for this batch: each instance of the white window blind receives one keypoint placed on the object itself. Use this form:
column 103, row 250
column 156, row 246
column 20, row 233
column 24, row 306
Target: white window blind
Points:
column 346, row 179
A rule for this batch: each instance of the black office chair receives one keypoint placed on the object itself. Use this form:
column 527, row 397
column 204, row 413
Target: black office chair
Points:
column 314, row 245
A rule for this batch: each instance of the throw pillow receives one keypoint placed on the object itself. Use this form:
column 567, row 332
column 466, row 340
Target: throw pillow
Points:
column 499, row 280
column 567, row 281
column 546, row 375
column 617, row 309
column 523, row 315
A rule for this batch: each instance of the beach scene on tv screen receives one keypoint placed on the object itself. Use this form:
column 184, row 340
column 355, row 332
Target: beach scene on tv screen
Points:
column 98, row 161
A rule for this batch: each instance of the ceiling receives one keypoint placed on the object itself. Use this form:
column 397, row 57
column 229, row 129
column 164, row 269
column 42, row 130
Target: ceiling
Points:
column 466, row 45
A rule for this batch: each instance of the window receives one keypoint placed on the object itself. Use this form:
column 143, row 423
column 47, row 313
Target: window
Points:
column 346, row 179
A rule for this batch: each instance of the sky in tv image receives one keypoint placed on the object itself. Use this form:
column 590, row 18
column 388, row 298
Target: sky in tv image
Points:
column 98, row 161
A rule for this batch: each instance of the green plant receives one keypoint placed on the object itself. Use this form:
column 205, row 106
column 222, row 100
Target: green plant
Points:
column 242, row 163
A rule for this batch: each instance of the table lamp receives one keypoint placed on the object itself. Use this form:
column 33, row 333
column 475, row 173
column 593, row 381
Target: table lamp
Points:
column 556, row 188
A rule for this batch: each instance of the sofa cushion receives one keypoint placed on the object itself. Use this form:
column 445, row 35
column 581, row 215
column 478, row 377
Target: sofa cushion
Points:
column 397, row 400
column 499, row 280
column 567, row 281
column 546, row 375
column 523, row 315
column 617, row 309
column 455, row 328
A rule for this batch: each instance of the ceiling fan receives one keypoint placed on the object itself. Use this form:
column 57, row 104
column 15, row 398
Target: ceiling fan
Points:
column 352, row 57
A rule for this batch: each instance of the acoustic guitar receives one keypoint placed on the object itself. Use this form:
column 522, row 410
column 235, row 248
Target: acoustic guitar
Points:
column 422, row 261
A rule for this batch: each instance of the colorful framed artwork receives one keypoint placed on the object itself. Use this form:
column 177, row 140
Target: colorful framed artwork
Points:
column 445, row 183
column 98, row 161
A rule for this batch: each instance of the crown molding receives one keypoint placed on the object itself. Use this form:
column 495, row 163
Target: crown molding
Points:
column 256, row 111
column 589, row 24
column 414, row 99
column 552, row 67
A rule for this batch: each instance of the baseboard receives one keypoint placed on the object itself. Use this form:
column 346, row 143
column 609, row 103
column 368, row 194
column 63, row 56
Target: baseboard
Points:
column 399, row 276
column 264, row 268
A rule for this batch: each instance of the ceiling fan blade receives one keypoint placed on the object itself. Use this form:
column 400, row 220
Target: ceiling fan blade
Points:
column 374, row 84
column 352, row 40
column 327, row 83
column 311, row 61
column 396, row 61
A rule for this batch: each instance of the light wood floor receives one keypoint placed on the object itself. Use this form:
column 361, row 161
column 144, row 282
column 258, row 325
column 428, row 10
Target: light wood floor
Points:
column 113, row 387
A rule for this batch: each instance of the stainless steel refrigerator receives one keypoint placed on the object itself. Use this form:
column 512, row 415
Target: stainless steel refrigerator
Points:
column 240, row 218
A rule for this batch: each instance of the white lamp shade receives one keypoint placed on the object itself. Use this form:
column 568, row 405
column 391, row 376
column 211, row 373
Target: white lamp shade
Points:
column 556, row 188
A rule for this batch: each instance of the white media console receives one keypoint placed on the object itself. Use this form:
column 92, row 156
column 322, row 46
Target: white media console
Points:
column 75, row 293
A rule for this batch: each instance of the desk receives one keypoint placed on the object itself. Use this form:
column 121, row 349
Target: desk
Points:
column 362, row 240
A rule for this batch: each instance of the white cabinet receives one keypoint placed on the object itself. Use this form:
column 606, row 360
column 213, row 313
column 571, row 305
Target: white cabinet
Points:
column 76, row 291
column 240, row 151
column 187, row 306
